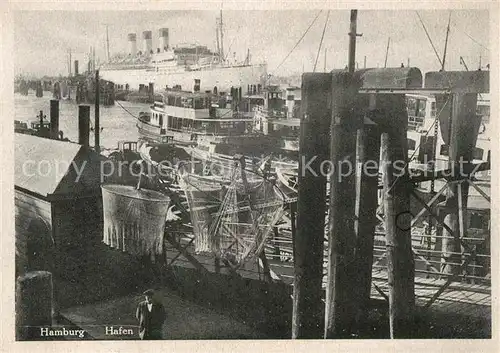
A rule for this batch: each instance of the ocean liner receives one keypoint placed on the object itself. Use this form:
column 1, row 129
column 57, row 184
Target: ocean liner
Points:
column 179, row 66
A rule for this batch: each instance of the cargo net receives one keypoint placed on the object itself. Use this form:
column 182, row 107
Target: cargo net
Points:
column 134, row 220
column 233, row 217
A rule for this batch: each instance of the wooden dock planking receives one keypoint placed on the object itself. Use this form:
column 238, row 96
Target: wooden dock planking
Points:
column 459, row 297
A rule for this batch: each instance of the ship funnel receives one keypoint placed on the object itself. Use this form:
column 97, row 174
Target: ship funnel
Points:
column 132, row 44
column 134, row 219
column 163, row 39
column 290, row 101
column 148, row 42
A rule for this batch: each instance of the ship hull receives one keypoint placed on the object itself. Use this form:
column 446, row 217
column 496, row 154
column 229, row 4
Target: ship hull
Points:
column 223, row 78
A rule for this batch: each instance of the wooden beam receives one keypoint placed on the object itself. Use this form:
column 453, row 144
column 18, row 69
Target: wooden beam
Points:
column 443, row 224
column 459, row 81
column 461, row 218
column 186, row 254
column 311, row 203
column 427, row 206
column 367, row 151
column 179, row 253
column 342, row 306
column 451, row 173
column 400, row 261
column 464, row 132
column 479, row 190
column 265, row 266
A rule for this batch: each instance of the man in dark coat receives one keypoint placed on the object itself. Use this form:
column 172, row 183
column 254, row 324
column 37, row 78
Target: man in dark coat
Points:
column 151, row 316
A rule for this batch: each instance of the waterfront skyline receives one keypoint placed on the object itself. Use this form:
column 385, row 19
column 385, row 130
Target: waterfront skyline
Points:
column 267, row 34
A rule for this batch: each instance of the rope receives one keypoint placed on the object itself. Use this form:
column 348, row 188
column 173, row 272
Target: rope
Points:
column 126, row 110
column 429, row 37
column 296, row 45
column 418, row 146
column 321, row 41
column 474, row 40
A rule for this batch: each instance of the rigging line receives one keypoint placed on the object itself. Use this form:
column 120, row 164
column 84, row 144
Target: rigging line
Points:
column 474, row 40
column 446, row 42
column 429, row 37
column 387, row 52
column 232, row 42
column 126, row 110
column 417, row 147
column 321, row 41
column 298, row 42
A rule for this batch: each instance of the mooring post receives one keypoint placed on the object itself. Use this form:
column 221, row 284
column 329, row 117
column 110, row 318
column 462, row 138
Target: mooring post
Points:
column 367, row 163
column 83, row 125
column 217, row 264
column 460, row 128
column 54, row 118
column 465, row 125
column 311, row 206
column 341, row 306
column 97, row 118
column 39, row 89
column 34, row 301
column 41, row 129
column 151, row 92
column 400, row 262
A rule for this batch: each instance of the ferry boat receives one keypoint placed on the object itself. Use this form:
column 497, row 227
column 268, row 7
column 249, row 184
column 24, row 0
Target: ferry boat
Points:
column 208, row 126
column 169, row 66
column 279, row 118
column 423, row 132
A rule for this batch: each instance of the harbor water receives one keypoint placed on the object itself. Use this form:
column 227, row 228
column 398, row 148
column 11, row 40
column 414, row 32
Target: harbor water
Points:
column 117, row 124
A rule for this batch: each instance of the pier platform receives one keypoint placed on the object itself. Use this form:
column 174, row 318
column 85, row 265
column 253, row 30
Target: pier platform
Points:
column 185, row 319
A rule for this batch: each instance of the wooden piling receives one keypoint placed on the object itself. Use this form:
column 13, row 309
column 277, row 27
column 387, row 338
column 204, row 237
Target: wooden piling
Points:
column 464, row 130
column 34, row 298
column 83, row 125
column 341, row 306
column 450, row 253
column 39, row 89
column 367, row 158
column 151, row 92
column 40, row 116
column 311, row 207
column 217, row 265
column 97, row 124
column 400, row 262
column 54, row 118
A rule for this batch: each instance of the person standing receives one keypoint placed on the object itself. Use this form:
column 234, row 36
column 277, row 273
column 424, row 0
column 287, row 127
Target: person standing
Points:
column 151, row 315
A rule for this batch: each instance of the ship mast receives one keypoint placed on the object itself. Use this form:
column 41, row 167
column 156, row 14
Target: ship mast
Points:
column 107, row 44
column 324, row 67
column 69, row 64
column 221, row 36
column 217, row 36
column 446, row 42
column 387, row 51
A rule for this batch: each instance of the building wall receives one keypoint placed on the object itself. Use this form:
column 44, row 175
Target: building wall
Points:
column 33, row 231
column 77, row 229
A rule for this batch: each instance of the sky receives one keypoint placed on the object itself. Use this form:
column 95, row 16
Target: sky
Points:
column 43, row 38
